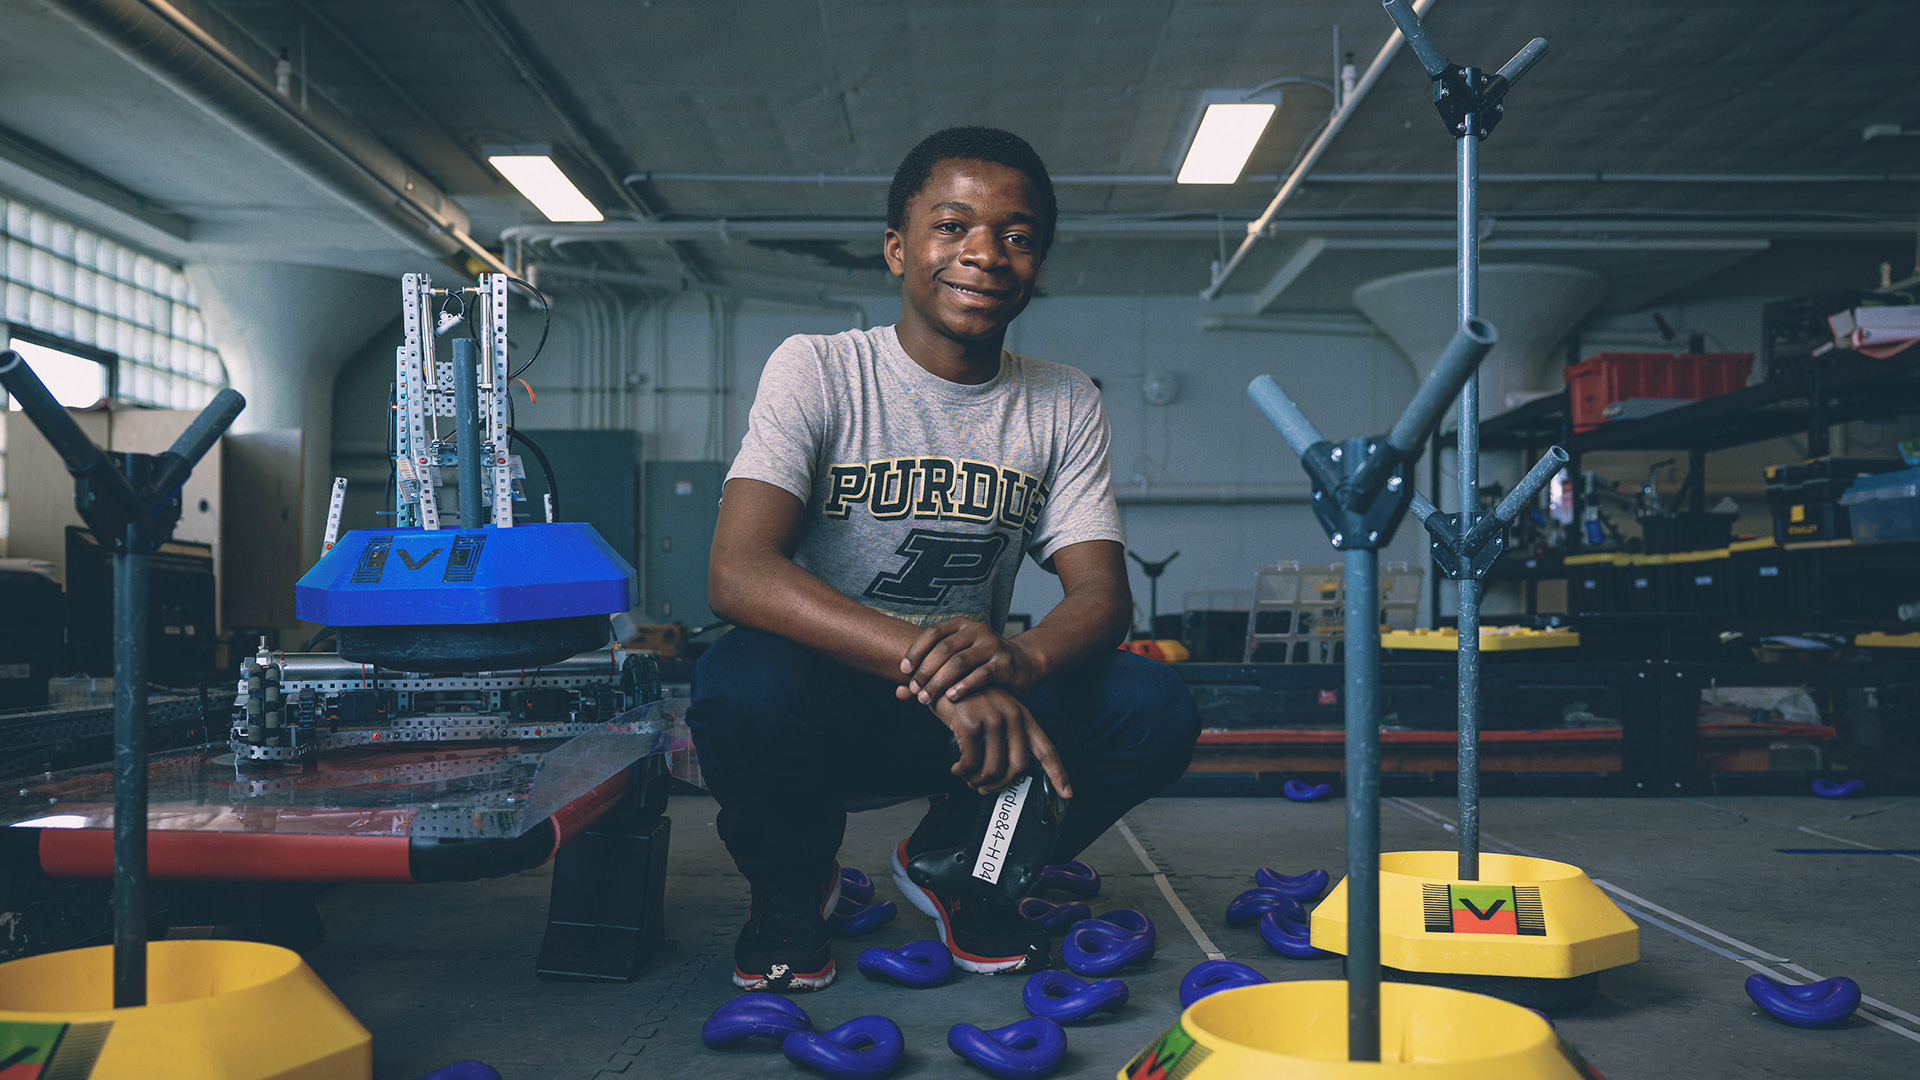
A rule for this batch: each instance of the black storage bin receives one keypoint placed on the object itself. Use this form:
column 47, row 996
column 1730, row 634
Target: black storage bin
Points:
column 1215, row 636
column 32, row 629
column 1768, row 584
column 181, row 639
column 1662, row 534
column 1704, row 585
column 1643, row 586
column 1591, row 586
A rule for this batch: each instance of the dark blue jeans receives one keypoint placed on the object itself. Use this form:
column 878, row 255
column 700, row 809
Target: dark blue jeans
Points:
column 790, row 740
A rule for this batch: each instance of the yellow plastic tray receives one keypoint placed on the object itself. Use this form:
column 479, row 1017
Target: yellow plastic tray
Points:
column 1887, row 641
column 1492, row 639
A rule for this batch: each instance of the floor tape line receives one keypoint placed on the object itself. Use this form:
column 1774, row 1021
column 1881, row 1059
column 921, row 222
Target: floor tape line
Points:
column 1907, row 852
column 1703, row 928
column 1200, row 937
column 1700, row 941
column 1852, row 843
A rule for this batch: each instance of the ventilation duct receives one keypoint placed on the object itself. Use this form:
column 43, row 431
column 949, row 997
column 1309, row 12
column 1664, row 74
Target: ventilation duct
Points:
column 1533, row 307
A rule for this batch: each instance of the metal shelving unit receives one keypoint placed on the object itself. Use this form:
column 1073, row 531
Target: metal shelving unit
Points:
column 1849, row 387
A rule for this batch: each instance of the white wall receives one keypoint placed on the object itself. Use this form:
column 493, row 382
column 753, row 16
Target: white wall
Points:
column 653, row 365
column 682, row 371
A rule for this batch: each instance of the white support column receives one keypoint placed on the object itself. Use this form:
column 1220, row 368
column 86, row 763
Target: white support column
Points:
column 283, row 332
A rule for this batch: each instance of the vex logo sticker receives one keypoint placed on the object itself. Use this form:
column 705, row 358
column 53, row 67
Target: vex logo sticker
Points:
column 1483, row 909
column 413, row 563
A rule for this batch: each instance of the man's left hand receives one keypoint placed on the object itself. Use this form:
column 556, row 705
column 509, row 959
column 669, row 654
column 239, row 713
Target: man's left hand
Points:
column 956, row 657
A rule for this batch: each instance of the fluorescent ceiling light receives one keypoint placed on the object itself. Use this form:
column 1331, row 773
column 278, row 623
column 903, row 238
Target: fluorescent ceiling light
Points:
column 546, row 187
column 1225, row 140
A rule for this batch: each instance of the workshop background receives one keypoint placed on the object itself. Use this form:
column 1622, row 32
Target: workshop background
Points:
column 1699, row 236
column 1697, row 161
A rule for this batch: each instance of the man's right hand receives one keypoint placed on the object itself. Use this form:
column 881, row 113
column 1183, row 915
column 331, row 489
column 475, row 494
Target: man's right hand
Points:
column 998, row 738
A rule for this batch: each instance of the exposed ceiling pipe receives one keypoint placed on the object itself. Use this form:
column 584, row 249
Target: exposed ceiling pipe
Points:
column 1179, row 494
column 1391, row 232
column 652, row 283
column 1290, row 324
column 1166, row 179
column 481, row 15
column 1312, row 156
column 183, row 54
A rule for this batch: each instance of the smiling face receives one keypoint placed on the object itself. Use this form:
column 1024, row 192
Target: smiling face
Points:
column 967, row 256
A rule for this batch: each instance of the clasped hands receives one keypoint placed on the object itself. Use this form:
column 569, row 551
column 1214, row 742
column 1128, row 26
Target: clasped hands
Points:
column 971, row 677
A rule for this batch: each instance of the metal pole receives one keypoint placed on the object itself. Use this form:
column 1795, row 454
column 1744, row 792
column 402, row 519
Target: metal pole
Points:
column 466, row 403
column 130, row 770
column 1363, row 804
column 1469, row 457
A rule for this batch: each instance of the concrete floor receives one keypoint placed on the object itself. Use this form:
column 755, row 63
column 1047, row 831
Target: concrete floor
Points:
column 442, row 973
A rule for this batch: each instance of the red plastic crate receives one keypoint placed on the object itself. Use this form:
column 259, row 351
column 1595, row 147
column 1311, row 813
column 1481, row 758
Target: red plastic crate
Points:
column 1602, row 379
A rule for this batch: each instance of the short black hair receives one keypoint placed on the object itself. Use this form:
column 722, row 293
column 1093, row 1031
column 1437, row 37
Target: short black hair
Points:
column 970, row 144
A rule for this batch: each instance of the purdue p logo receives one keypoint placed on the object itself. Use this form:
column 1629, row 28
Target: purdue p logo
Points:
column 936, row 562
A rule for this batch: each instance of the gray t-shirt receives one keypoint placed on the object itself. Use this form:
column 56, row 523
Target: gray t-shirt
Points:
column 921, row 494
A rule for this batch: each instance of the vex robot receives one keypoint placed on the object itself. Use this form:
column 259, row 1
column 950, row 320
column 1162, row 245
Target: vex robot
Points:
column 466, row 627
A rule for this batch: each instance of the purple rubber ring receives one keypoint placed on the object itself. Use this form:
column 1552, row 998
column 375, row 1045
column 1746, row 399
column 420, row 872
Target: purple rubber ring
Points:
column 1302, row 887
column 856, row 885
column 757, row 1015
column 1065, row 998
column 1834, row 789
column 919, row 964
column 853, row 917
column 1052, row 916
column 464, row 1070
column 1127, row 920
column 1076, row 879
column 1300, row 791
column 1213, row 976
column 864, row 1048
column 1288, row 938
column 1815, row 1005
column 1255, row 902
column 1022, row 1050
column 1094, row 947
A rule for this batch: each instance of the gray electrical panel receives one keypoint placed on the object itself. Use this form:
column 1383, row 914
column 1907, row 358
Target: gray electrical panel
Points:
column 682, row 507
column 598, row 474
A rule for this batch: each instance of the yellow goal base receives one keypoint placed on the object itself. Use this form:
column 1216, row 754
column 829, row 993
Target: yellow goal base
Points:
column 1298, row 1030
column 1525, row 918
column 217, row 1010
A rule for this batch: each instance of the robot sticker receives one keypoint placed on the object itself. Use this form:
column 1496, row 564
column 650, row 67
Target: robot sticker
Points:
column 1483, row 909
column 373, row 561
column 32, row 1051
column 464, row 560
column 1170, row 1057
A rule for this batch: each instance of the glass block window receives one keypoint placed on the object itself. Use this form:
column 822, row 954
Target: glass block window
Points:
column 73, row 283
column 69, row 283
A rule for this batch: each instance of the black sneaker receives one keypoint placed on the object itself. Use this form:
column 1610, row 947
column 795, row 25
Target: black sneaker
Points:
column 784, row 946
column 990, row 939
